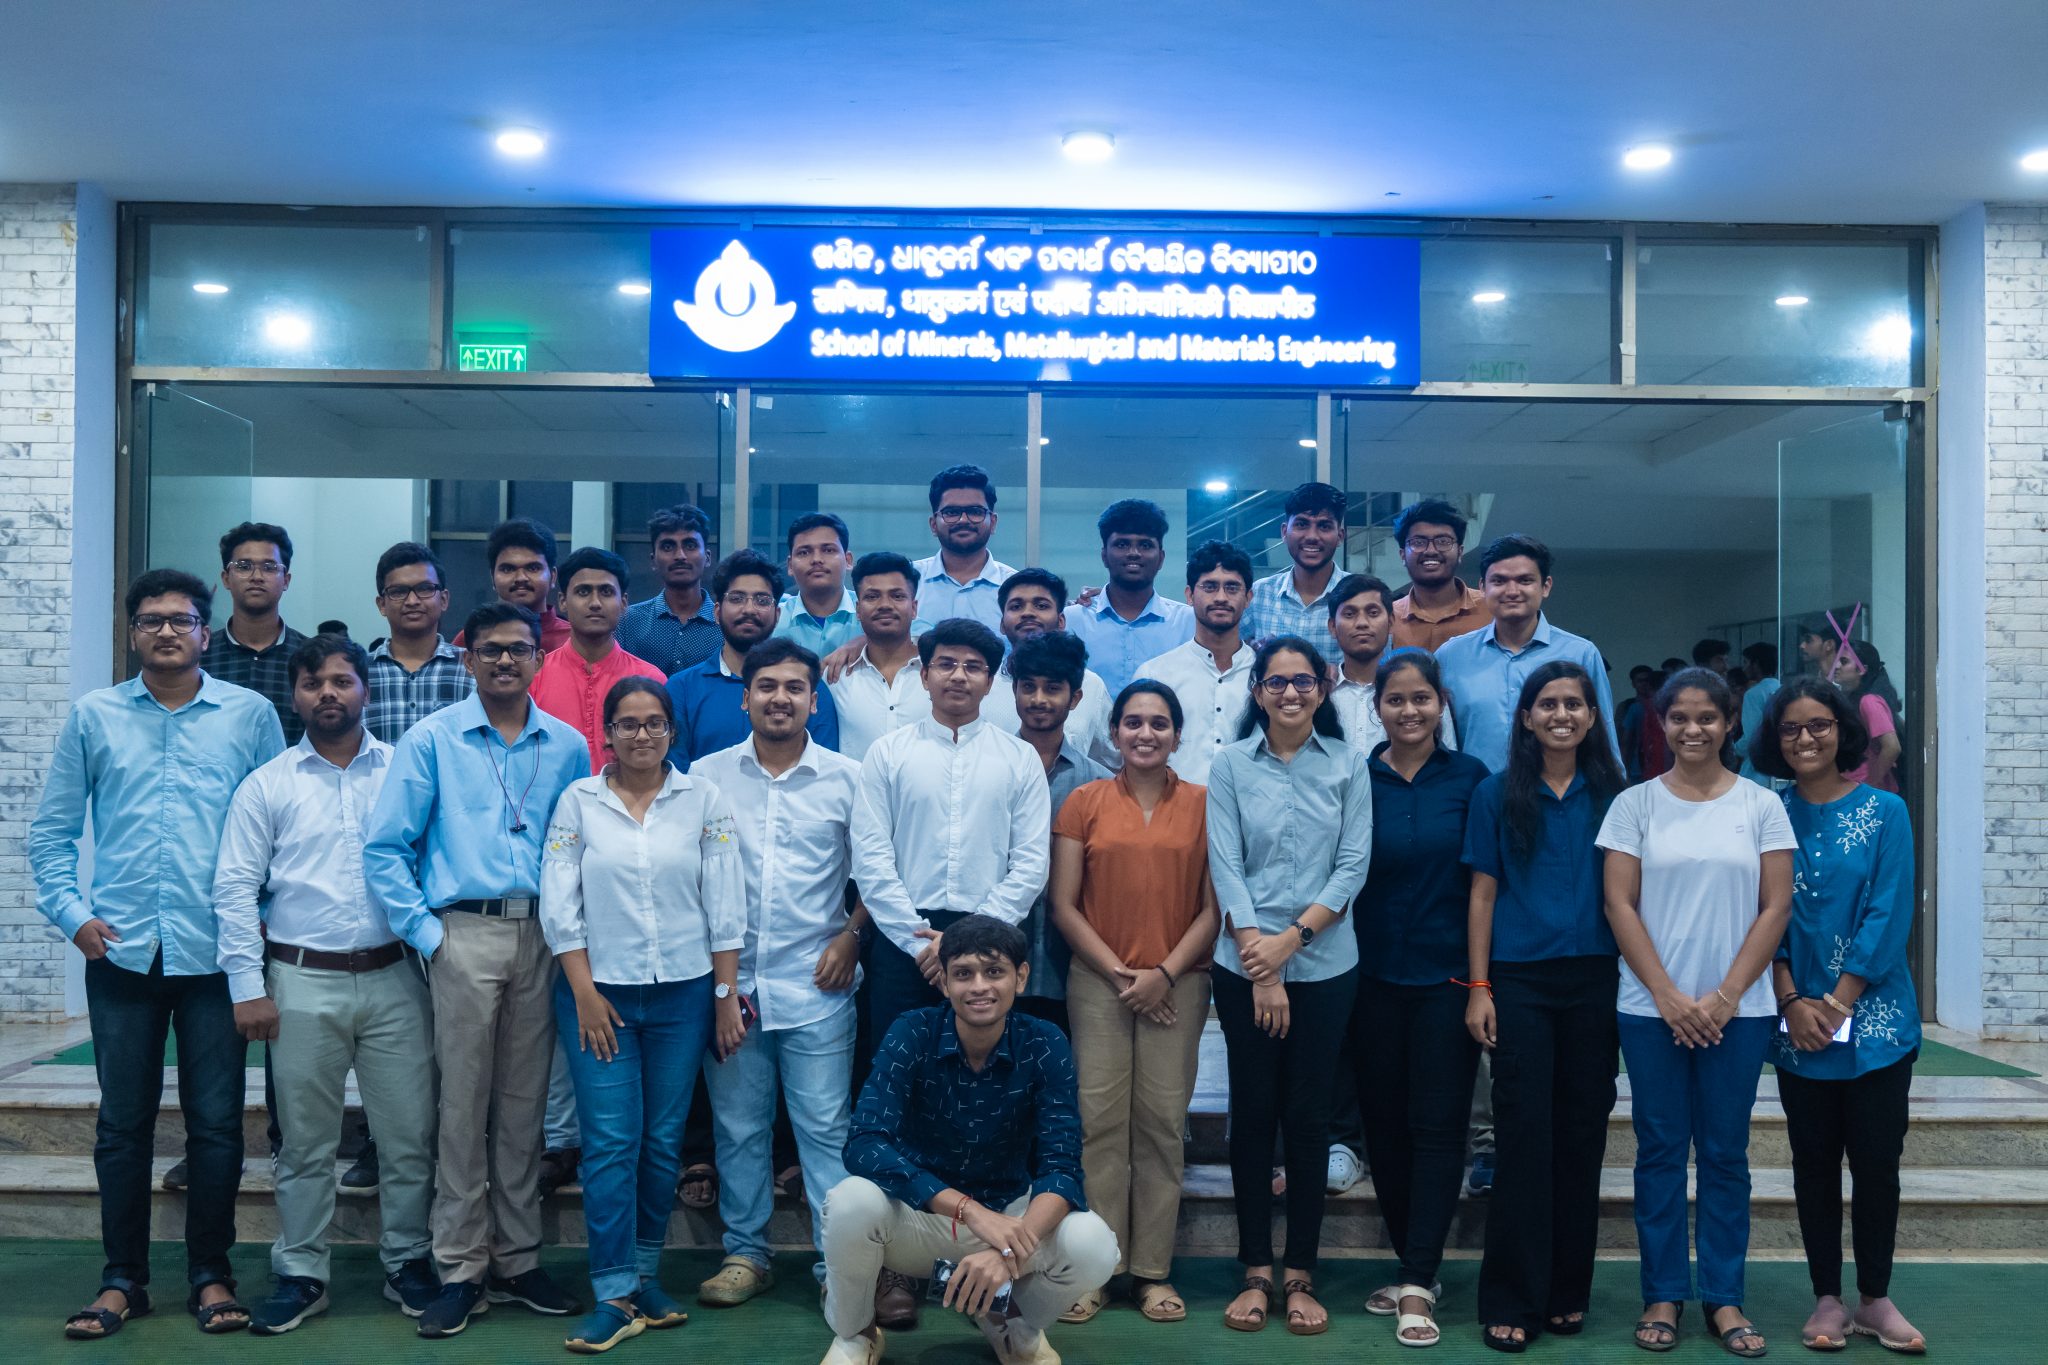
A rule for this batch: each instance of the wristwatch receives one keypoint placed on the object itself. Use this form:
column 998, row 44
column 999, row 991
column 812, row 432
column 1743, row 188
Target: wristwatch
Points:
column 721, row 991
column 1308, row 935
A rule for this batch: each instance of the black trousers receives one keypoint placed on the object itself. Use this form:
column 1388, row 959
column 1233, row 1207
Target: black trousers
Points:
column 895, row 985
column 1864, row 1119
column 1553, row 1089
column 1415, row 1064
column 1278, row 1083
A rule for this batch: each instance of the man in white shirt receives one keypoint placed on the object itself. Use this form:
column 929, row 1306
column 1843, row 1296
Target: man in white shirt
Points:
column 339, row 991
column 1210, row 674
column 792, row 801
column 962, row 578
column 1362, row 620
column 953, row 819
column 883, row 688
column 1034, row 603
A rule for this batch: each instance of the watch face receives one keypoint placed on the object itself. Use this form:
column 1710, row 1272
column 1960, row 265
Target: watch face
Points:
column 721, row 990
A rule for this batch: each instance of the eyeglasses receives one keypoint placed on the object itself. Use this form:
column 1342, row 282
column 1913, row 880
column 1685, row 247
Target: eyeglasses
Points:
column 256, row 568
column 632, row 729
column 518, row 654
column 1819, row 729
column 748, row 599
column 966, row 668
column 152, row 624
column 973, row 514
column 1276, row 685
column 1421, row 543
column 414, row 592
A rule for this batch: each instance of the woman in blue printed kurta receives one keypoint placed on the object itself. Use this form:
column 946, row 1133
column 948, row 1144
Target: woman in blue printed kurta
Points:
column 1851, row 1020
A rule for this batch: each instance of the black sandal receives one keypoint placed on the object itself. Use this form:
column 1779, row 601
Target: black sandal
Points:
column 96, row 1324
column 1561, row 1325
column 1506, row 1345
column 1729, row 1337
column 1669, row 1330
column 210, row 1315
column 1254, row 1319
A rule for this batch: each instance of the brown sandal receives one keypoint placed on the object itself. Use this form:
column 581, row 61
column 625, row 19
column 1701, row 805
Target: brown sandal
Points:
column 1254, row 1319
column 1159, row 1301
column 1304, row 1328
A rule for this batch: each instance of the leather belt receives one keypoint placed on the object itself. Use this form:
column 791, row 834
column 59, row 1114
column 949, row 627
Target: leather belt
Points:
column 503, row 907
column 359, row 960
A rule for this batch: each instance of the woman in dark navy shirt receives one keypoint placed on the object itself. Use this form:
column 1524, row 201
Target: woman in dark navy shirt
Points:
column 1415, row 1060
column 1541, row 999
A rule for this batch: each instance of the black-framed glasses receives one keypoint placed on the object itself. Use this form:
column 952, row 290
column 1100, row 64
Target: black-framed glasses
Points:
column 748, row 599
column 1277, row 685
column 658, row 728
column 1819, row 729
column 1421, row 543
column 492, row 653
column 411, row 592
column 970, row 514
column 181, row 623
column 256, row 568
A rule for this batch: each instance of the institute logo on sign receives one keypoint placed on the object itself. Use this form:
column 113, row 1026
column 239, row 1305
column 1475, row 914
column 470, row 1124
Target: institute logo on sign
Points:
column 735, row 308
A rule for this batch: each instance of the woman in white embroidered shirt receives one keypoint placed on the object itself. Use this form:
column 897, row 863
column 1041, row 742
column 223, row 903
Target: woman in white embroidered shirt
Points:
column 643, row 903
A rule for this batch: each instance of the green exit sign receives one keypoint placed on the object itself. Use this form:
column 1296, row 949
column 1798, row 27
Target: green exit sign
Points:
column 502, row 357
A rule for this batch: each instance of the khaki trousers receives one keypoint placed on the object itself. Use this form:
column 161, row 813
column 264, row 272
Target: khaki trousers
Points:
column 1136, row 1079
column 494, row 1038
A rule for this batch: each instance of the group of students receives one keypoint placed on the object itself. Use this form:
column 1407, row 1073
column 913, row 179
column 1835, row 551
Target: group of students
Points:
column 930, row 834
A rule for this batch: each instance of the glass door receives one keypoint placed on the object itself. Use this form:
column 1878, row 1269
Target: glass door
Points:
column 202, row 461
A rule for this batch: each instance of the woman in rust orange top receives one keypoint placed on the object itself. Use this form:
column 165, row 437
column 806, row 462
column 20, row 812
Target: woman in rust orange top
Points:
column 1130, row 892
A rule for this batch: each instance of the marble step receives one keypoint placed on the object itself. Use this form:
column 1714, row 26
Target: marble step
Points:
column 1943, row 1209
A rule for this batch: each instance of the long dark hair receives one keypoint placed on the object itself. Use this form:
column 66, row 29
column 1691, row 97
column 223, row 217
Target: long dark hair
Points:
column 1255, row 718
column 1522, row 803
column 1876, row 681
column 1423, row 662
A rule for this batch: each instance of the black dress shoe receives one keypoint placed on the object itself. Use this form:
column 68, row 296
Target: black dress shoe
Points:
column 361, row 1178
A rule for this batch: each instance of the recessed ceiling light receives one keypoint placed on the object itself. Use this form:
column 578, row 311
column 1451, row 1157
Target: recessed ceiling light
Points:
column 1891, row 336
column 1045, row 440
column 1088, row 146
column 1216, row 486
column 209, row 287
column 521, row 142
column 1650, row 157
column 1307, row 443
column 635, row 288
column 1791, row 300
column 2035, row 161
column 1489, row 296
column 287, row 329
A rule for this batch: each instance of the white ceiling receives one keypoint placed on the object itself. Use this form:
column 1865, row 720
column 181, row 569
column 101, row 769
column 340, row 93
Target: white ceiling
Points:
column 1847, row 111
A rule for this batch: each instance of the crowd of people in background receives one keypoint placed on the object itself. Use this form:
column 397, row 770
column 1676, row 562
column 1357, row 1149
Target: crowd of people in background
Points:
column 933, row 872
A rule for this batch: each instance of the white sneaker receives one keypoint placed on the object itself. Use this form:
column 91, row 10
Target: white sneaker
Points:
column 1015, row 1343
column 865, row 1349
column 1345, row 1169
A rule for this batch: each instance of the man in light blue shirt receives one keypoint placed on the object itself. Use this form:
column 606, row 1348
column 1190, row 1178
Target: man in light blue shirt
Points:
column 453, row 856
column 819, row 615
column 154, row 763
column 963, row 577
column 1130, row 622
column 1484, row 670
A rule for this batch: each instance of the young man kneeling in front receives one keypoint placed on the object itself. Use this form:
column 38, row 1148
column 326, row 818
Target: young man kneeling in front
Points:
column 966, row 1149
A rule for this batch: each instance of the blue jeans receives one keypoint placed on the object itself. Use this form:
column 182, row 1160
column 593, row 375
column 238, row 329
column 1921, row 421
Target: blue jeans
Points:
column 815, row 1062
column 631, row 1111
column 1699, row 1098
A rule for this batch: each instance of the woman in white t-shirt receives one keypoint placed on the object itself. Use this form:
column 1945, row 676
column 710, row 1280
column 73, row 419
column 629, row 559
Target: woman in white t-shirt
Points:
column 1699, row 888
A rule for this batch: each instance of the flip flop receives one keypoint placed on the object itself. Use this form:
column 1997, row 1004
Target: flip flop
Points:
column 1506, row 1345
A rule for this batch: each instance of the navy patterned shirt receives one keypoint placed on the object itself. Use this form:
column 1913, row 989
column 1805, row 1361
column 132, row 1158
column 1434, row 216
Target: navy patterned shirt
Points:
column 264, row 671
column 649, row 630
column 927, row 1121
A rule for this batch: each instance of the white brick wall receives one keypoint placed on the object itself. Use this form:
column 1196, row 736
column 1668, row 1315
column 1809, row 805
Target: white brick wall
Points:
column 38, row 250
column 2016, row 624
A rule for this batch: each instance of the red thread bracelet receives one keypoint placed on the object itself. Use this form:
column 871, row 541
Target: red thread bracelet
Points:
column 1473, row 985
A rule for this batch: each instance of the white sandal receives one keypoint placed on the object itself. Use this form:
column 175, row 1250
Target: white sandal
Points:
column 1403, row 1322
column 1384, row 1301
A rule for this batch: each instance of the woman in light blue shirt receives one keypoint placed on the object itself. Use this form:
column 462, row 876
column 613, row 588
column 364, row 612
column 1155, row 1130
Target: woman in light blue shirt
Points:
column 1851, row 1021
column 1290, row 834
column 643, row 901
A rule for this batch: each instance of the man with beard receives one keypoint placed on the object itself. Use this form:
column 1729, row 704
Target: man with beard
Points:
column 1291, row 602
column 254, row 649
column 521, row 553
column 1437, row 606
column 573, row 682
column 710, row 711
column 962, row 579
column 453, row 857
column 338, row 991
column 1130, row 622
column 792, row 800
column 1210, row 674
column 675, row 629
column 882, row 689
column 1034, row 604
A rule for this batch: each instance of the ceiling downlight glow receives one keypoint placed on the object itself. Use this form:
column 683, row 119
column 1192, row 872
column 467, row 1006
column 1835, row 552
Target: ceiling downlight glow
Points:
column 1649, row 157
column 1791, row 300
column 1088, row 146
column 2035, row 161
column 287, row 329
column 1489, row 296
column 1307, row 443
column 209, row 287
column 521, row 142
column 1216, row 486
column 635, row 289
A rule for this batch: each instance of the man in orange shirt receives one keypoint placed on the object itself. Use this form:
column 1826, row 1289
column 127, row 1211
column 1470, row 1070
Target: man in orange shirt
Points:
column 1438, row 605
column 574, row 678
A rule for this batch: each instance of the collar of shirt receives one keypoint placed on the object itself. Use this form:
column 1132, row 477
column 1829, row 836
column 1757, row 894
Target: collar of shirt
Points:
column 914, row 665
column 793, row 603
column 672, row 785
column 1439, row 757
column 209, row 692
column 944, row 733
column 469, row 714
column 1001, row 1055
column 703, row 612
column 1153, row 610
column 1174, row 782
column 1316, row 739
column 1470, row 598
column 1068, row 758
column 1541, row 637
column 1206, row 657
column 1287, row 589
column 284, row 640
column 375, row 753
column 807, row 761
column 991, row 570
column 442, row 650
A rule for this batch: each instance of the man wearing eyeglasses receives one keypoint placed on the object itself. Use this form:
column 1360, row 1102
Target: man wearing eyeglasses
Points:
column 254, row 650
column 413, row 671
column 1438, row 605
column 154, row 763
column 572, row 682
column 709, row 699
column 963, row 578
column 453, row 856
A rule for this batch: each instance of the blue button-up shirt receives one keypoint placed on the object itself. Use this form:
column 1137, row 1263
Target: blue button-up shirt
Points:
column 927, row 1121
column 1277, row 609
column 1411, row 918
column 1119, row 649
column 649, row 630
column 443, row 828
column 1485, row 682
column 709, row 716
column 823, row 634
column 1549, row 904
column 157, row 785
column 940, row 597
column 1050, row 953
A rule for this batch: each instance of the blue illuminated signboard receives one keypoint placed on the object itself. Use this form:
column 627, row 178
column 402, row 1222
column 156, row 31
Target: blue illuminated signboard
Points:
column 858, row 305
